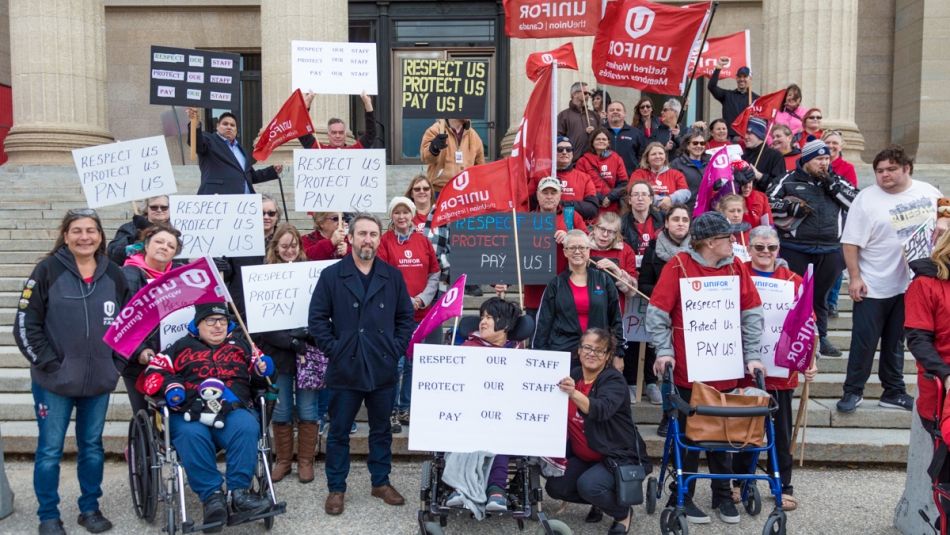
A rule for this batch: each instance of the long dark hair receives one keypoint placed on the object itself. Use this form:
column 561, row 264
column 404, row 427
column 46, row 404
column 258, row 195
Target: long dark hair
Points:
column 71, row 217
column 603, row 336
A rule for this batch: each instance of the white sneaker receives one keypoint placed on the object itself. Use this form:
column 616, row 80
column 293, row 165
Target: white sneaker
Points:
column 454, row 500
column 653, row 394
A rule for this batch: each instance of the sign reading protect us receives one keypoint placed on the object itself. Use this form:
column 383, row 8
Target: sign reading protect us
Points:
column 436, row 88
column 712, row 328
column 337, row 180
column 218, row 225
column 277, row 296
column 127, row 171
column 196, row 78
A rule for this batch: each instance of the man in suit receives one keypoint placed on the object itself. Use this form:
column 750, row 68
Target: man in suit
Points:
column 225, row 168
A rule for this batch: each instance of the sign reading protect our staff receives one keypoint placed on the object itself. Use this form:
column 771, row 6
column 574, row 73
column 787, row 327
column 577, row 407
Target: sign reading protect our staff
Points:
column 338, row 180
column 777, row 298
column 333, row 68
column 277, row 296
column 122, row 172
column 488, row 399
column 196, row 78
column 436, row 88
column 218, row 225
column 712, row 328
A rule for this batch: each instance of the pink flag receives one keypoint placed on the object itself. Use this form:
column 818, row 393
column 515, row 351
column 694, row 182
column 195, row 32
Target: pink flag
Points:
column 796, row 345
column 717, row 168
column 449, row 306
column 192, row 284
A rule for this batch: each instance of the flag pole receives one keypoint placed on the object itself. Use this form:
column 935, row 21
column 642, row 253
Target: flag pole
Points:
column 553, row 119
column 514, row 224
column 684, row 98
column 768, row 127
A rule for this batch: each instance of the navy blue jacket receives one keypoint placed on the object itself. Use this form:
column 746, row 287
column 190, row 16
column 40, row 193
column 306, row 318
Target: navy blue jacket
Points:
column 221, row 173
column 362, row 332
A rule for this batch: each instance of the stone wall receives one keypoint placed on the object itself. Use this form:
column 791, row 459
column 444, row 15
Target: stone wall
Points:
column 875, row 70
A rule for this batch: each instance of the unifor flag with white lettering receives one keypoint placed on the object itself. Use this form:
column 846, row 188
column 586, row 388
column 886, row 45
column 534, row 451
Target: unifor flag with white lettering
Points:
column 735, row 48
column 448, row 307
column 796, row 345
column 539, row 61
column 480, row 189
column 538, row 19
column 192, row 284
column 646, row 45
column 291, row 122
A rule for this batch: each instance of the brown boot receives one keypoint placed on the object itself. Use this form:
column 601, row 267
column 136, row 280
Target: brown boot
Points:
column 284, row 449
column 307, row 433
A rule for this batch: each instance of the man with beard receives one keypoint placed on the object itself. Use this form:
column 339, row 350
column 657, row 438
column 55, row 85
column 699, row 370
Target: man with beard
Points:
column 361, row 318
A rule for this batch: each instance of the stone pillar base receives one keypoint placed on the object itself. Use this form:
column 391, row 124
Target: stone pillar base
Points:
column 39, row 144
column 853, row 140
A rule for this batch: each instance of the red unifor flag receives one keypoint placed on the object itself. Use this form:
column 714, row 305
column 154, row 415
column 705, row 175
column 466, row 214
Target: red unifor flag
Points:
column 764, row 107
column 291, row 122
column 647, row 46
column 734, row 46
column 538, row 61
column 480, row 189
column 535, row 19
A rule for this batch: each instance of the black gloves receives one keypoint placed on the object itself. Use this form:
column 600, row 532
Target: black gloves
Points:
column 438, row 144
column 743, row 176
column 298, row 340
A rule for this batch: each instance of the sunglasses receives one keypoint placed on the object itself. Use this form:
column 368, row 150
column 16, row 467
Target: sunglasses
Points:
column 698, row 143
column 565, row 149
column 270, row 213
column 332, row 218
column 158, row 208
column 762, row 248
column 815, row 117
column 587, row 93
column 646, row 106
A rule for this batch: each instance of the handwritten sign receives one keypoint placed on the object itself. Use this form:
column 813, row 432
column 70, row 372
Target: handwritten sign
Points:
column 484, row 248
column 712, row 328
column 174, row 326
column 333, row 68
column 218, row 225
column 277, row 296
column 734, row 152
column 634, row 315
column 198, row 78
column 435, row 88
column 741, row 252
column 777, row 298
column 488, row 399
column 121, row 172
column 337, row 180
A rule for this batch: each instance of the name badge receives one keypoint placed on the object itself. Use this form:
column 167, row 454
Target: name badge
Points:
column 458, row 157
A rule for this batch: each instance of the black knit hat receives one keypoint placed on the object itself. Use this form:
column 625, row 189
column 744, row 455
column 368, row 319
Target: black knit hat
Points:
column 210, row 309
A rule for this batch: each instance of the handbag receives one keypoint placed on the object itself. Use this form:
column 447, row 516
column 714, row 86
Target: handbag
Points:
column 628, row 482
column 311, row 369
column 737, row 432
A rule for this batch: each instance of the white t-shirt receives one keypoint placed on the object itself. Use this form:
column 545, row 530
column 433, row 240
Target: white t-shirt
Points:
column 879, row 223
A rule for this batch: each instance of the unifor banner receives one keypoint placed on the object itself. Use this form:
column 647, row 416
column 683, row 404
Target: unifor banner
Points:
column 540, row 19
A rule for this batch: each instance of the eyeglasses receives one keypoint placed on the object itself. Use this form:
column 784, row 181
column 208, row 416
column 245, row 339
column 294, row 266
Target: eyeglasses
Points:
column 421, row 189
column 332, row 218
column 576, row 248
column 815, row 117
column 82, row 212
column 698, row 143
column 593, row 350
column 762, row 247
column 565, row 149
column 215, row 320
column 667, row 109
column 270, row 213
column 606, row 230
column 158, row 207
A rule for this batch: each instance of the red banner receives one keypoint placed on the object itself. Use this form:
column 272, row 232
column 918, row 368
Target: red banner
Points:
column 536, row 19
column 734, row 47
column 531, row 152
column 291, row 122
column 564, row 55
column 480, row 189
column 764, row 107
column 647, row 46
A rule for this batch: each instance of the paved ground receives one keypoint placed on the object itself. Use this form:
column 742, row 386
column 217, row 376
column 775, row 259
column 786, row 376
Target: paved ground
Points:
column 834, row 501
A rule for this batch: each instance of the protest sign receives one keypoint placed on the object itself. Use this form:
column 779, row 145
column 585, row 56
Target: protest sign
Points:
column 174, row 327
column 218, row 225
column 197, row 78
column 126, row 171
column 777, row 298
column 741, row 252
column 468, row 399
column 484, row 248
column 920, row 243
column 634, row 315
column 539, row 19
column 337, row 180
column 277, row 296
column 712, row 328
column 438, row 88
column 333, row 68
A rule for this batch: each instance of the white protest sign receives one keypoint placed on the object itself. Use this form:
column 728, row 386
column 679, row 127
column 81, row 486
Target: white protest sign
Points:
column 734, row 152
column 340, row 180
column 175, row 326
column 634, row 313
column 741, row 252
column 277, row 296
column 500, row 400
column 218, row 225
column 122, row 172
column 333, row 68
column 712, row 328
column 777, row 298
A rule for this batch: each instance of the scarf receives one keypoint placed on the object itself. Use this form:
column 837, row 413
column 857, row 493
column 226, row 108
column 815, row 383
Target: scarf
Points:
column 666, row 248
column 138, row 260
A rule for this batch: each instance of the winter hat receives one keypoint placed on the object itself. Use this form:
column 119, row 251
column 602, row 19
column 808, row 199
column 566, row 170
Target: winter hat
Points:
column 204, row 310
column 565, row 139
column 813, row 149
column 402, row 201
column 756, row 127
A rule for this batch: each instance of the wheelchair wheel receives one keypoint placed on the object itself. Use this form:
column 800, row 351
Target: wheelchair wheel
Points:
column 753, row 500
column 775, row 524
column 554, row 527
column 425, row 483
column 652, row 489
column 433, row 528
column 141, row 457
column 672, row 523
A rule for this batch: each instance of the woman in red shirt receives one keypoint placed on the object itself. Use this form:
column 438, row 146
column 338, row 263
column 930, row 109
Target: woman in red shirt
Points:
column 328, row 239
column 669, row 185
column 811, row 127
column 719, row 133
column 605, row 169
column 782, row 141
column 839, row 165
column 641, row 221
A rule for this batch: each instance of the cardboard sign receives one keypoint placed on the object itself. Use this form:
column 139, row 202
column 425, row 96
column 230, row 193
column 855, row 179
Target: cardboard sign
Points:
column 634, row 316
column 436, row 89
column 175, row 326
column 337, row 180
column 122, row 172
column 277, row 296
column 489, row 399
column 712, row 328
column 218, row 225
column 196, row 78
column 484, row 248
column 333, row 68
column 777, row 298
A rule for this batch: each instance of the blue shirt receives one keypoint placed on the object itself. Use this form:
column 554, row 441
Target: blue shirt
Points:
column 238, row 155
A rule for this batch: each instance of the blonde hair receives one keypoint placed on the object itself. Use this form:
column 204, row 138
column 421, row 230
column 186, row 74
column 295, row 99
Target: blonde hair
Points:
column 273, row 255
column 723, row 202
column 941, row 256
column 645, row 158
column 608, row 218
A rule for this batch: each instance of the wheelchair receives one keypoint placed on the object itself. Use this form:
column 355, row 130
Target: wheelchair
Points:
column 156, row 475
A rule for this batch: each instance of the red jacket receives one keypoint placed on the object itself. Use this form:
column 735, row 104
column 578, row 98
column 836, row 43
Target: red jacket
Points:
column 664, row 183
column 316, row 247
column 845, row 170
column 927, row 308
column 757, row 206
column 605, row 173
column 779, row 383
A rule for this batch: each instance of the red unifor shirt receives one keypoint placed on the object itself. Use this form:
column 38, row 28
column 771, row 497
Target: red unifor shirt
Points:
column 647, row 231
column 419, row 221
column 623, row 257
column 575, row 428
column 927, row 307
column 581, row 303
column 533, row 292
column 664, row 183
column 414, row 258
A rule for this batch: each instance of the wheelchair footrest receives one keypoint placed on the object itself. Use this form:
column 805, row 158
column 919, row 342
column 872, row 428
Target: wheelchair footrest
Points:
column 191, row 527
column 278, row 508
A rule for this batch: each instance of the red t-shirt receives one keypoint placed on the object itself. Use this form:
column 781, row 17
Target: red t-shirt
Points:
column 757, row 208
column 419, row 221
column 845, row 170
column 415, row 259
column 575, row 428
column 926, row 308
column 581, row 303
column 713, row 144
column 647, row 231
column 664, row 184
column 533, row 292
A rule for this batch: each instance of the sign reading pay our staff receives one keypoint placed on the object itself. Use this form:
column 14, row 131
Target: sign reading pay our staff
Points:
column 712, row 328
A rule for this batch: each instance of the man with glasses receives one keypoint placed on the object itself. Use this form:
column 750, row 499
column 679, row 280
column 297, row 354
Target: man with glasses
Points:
column 627, row 140
column 336, row 128
column 733, row 101
column 577, row 121
column 156, row 211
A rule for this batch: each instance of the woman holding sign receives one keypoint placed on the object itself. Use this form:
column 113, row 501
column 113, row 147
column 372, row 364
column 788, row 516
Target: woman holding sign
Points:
column 328, row 239
column 709, row 255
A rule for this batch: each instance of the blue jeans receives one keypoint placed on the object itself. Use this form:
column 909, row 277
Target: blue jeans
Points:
column 344, row 404
column 835, row 291
column 52, row 417
column 198, row 443
column 290, row 397
column 402, row 390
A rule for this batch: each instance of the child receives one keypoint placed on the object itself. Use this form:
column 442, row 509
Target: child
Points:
column 734, row 208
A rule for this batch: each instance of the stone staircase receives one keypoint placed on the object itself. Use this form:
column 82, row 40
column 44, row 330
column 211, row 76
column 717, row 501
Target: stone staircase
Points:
column 35, row 198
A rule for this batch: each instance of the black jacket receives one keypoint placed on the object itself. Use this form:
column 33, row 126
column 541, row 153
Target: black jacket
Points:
column 557, row 327
column 693, row 173
column 608, row 424
column 771, row 165
column 221, row 173
column 820, row 223
column 61, row 321
column 628, row 228
column 283, row 346
column 127, row 234
column 650, row 268
column 629, row 143
column 733, row 102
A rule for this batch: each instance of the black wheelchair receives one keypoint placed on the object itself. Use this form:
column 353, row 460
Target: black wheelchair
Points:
column 156, row 475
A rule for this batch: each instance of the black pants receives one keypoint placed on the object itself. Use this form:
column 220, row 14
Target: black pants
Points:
column 630, row 364
column 587, row 482
column 136, row 398
column 742, row 463
column 827, row 268
column 877, row 319
column 719, row 463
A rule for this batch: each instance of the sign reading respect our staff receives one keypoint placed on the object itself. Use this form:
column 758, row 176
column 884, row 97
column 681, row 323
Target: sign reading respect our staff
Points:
column 712, row 328
column 333, row 68
column 277, row 296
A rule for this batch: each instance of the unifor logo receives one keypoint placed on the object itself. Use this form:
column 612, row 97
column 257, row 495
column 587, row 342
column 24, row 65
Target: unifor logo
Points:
column 108, row 308
column 461, row 182
column 721, row 161
column 639, row 21
column 697, row 286
column 450, row 297
column 408, row 253
column 547, row 58
column 196, row 278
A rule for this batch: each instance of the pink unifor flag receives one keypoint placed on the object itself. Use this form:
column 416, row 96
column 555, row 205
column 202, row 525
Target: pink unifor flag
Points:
column 448, row 307
column 796, row 344
column 192, row 284
column 717, row 169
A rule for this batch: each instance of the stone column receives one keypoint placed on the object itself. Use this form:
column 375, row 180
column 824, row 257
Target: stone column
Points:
column 307, row 20
column 814, row 43
column 58, row 68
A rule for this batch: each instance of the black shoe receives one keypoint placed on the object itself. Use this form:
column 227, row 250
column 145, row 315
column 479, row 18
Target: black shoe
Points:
column 594, row 516
column 215, row 512
column 403, row 416
column 897, row 401
column 849, row 403
column 52, row 527
column 728, row 512
column 245, row 504
column 827, row 349
column 394, row 425
column 694, row 514
column 664, row 426
column 832, row 311
column 619, row 529
column 473, row 290
column 94, row 522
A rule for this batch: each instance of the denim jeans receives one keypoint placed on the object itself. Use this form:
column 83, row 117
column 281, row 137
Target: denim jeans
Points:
column 52, row 417
column 344, row 404
column 290, row 397
column 402, row 391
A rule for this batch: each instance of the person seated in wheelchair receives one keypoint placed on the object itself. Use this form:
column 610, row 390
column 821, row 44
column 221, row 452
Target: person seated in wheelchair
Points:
column 207, row 379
